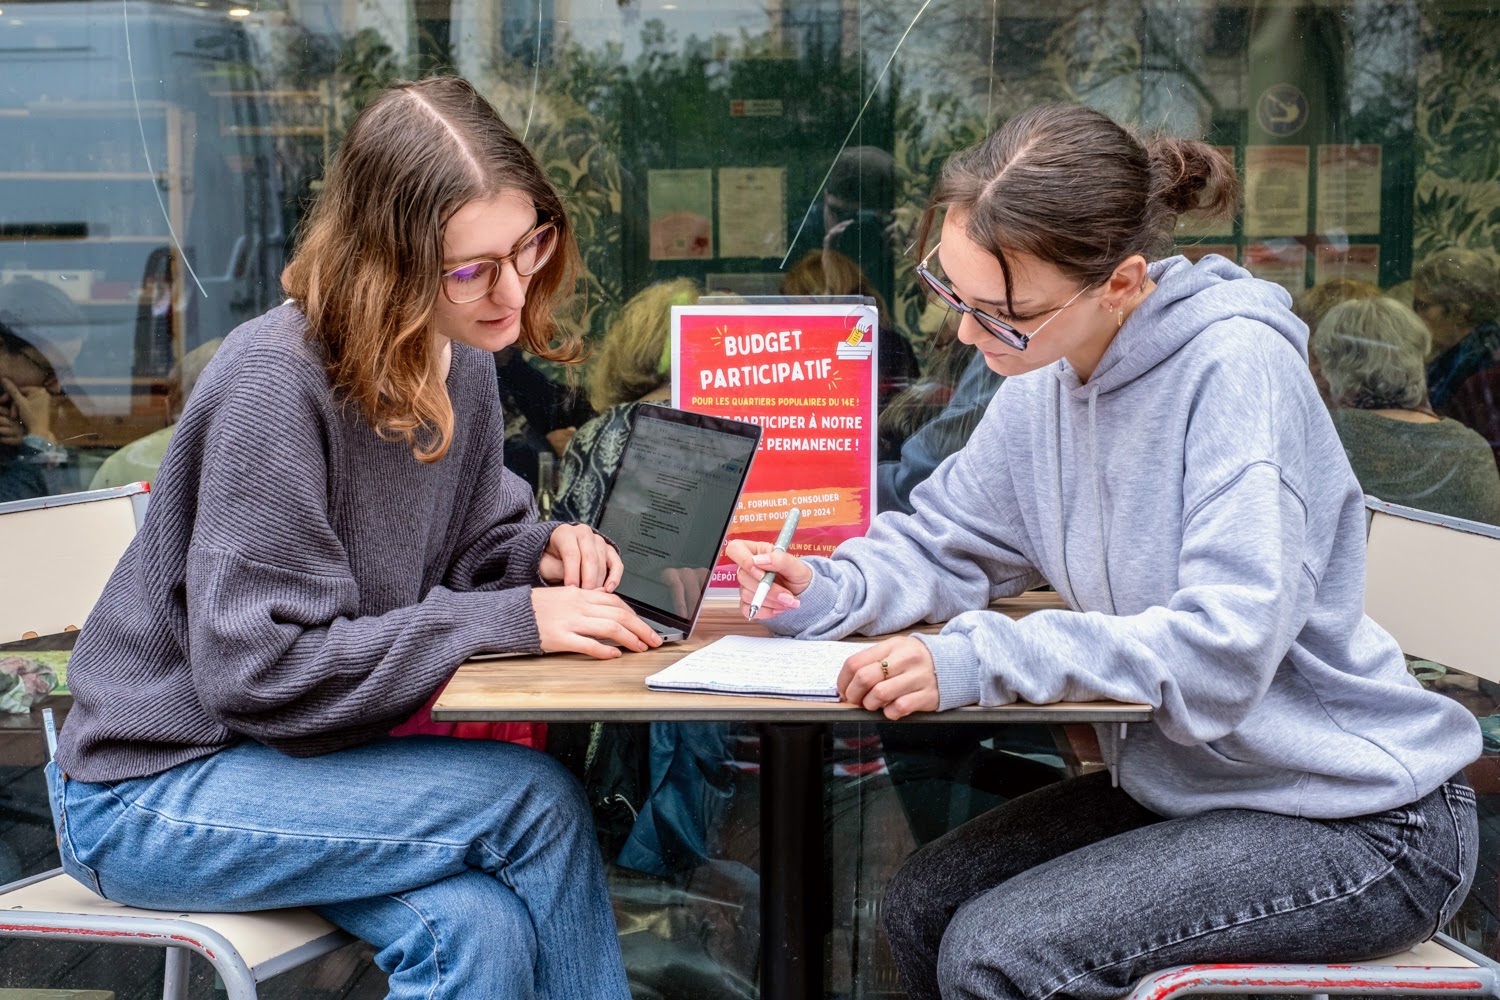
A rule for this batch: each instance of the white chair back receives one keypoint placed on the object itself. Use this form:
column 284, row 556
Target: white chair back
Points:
column 1433, row 582
column 58, row 553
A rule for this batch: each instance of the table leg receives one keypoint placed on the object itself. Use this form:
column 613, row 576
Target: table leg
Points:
column 794, row 901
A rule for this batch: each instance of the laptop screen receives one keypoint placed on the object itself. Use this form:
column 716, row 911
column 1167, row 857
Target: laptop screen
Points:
column 670, row 504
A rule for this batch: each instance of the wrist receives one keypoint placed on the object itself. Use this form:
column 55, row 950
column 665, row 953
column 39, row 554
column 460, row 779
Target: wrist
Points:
column 955, row 666
column 42, row 450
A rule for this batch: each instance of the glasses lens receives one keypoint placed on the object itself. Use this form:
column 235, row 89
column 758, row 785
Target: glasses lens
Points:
column 531, row 257
column 1002, row 330
column 943, row 291
column 470, row 282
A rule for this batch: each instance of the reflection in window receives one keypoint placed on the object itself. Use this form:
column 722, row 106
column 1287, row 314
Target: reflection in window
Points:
column 148, row 201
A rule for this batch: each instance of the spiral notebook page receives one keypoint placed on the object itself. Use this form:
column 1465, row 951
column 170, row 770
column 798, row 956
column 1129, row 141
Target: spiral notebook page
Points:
column 759, row 665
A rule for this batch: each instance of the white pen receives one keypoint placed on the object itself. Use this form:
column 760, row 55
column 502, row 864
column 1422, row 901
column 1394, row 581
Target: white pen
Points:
column 782, row 541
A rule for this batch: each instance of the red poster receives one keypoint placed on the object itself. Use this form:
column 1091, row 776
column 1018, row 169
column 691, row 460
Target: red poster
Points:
column 806, row 375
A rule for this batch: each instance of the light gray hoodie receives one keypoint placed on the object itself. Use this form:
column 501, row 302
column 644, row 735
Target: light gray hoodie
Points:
column 1193, row 505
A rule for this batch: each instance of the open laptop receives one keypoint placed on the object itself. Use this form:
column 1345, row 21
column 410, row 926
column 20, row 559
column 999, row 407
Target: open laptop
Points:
column 668, row 509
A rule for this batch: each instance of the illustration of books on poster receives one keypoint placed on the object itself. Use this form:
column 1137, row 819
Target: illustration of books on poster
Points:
column 859, row 345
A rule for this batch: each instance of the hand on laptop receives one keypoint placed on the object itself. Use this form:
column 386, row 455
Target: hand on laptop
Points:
column 754, row 559
column 578, row 556
column 573, row 620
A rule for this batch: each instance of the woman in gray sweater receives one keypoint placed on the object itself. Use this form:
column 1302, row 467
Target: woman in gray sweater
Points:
column 332, row 533
column 1373, row 354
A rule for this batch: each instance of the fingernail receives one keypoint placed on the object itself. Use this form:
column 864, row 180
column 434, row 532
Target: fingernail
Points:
column 788, row 601
column 762, row 560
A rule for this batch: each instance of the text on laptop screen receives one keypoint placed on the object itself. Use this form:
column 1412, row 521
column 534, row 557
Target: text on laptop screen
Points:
column 671, row 501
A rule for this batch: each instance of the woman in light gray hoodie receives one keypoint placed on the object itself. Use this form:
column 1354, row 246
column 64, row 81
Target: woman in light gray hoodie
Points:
column 1159, row 454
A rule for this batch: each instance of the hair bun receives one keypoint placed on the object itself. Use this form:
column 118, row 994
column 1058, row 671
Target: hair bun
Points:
column 1191, row 176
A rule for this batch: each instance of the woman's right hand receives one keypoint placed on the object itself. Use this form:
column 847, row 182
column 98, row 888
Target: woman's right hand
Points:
column 574, row 620
column 754, row 559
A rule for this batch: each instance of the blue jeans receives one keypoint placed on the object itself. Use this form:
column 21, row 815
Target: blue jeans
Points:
column 1076, row 890
column 470, row 865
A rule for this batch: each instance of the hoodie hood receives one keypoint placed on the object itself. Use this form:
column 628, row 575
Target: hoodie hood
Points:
column 1189, row 298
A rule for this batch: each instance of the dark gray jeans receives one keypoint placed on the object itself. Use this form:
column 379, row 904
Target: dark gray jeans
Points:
column 1076, row 890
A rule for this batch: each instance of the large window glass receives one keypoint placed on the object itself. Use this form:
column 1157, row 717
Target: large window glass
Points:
column 156, row 159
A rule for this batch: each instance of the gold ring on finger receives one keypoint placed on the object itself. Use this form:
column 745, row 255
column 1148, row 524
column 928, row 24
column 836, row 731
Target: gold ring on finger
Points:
column 885, row 669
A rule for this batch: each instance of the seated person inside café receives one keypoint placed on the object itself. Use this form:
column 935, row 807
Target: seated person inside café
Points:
column 1456, row 292
column 940, row 428
column 828, row 272
column 541, row 416
column 309, row 573
column 29, row 449
column 689, row 763
column 1312, row 305
column 633, row 366
column 855, row 216
column 1373, row 354
column 46, row 316
column 1159, row 454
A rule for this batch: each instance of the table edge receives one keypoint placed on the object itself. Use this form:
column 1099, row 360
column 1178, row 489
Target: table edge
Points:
column 806, row 712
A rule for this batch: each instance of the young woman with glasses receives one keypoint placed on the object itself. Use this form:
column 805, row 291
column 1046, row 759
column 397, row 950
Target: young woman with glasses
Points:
column 1159, row 454
column 332, row 533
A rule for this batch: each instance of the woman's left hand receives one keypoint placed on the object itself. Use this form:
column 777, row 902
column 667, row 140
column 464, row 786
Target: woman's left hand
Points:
column 578, row 556
column 33, row 405
column 896, row 675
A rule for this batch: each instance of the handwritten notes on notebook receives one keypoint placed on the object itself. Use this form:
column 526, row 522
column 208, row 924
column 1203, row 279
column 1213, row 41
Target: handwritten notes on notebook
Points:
column 761, row 666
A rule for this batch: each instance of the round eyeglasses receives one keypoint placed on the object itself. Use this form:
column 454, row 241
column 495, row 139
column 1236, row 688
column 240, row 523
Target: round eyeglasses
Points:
column 992, row 325
column 473, row 279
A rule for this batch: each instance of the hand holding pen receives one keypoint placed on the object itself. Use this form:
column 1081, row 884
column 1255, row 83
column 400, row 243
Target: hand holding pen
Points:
column 770, row 578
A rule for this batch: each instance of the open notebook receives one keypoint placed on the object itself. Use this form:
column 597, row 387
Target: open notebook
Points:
column 761, row 666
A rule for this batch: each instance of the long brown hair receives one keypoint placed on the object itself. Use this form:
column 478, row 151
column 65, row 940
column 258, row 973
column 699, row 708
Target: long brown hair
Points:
column 367, row 268
column 1068, row 186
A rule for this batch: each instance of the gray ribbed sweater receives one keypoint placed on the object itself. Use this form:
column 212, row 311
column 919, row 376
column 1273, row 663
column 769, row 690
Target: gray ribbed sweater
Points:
column 299, row 581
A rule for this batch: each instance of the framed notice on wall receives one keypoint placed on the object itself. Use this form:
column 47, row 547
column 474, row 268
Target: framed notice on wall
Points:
column 806, row 375
column 681, row 206
column 1349, row 189
column 1276, row 182
column 752, row 211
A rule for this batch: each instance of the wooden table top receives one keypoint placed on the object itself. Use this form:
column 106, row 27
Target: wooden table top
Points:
column 567, row 687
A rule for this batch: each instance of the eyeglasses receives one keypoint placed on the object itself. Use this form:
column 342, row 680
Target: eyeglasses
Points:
column 473, row 279
column 992, row 325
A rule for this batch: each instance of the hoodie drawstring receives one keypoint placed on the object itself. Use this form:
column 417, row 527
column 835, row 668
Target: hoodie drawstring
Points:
column 1054, row 418
column 1109, row 590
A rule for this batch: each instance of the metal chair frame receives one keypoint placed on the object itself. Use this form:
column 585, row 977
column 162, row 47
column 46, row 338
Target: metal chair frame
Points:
column 32, row 914
column 179, row 936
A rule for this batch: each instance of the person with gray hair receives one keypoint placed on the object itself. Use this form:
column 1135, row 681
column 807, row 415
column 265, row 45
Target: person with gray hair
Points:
column 1373, row 353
